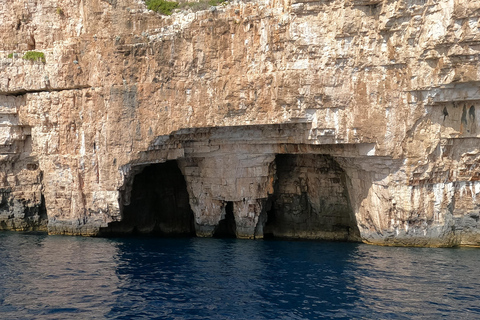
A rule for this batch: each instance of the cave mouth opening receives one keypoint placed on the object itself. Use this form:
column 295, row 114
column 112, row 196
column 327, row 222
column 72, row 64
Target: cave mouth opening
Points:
column 310, row 200
column 159, row 205
column 226, row 227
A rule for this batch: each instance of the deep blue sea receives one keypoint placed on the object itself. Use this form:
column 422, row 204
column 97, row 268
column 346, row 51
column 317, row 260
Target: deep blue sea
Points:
column 60, row 277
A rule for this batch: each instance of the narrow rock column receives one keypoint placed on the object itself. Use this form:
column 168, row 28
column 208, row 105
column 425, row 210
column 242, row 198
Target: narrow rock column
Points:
column 243, row 178
column 247, row 214
column 208, row 213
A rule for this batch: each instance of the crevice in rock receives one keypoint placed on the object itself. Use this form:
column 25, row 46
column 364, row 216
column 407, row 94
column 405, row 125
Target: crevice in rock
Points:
column 17, row 93
column 270, row 221
column 42, row 211
column 35, row 217
column 159, row 204
column 226, row 228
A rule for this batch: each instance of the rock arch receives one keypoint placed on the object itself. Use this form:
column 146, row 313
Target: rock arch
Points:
column 238, row 188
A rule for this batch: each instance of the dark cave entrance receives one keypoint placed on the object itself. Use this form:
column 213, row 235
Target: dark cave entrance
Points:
column 310, row 200
column 159, row 204
column 226, row 228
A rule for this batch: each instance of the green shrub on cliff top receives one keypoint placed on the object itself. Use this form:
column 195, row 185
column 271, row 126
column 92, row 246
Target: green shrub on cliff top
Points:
column 162, row 6
column 167, row 7
column 216, row 2
column 34, row 56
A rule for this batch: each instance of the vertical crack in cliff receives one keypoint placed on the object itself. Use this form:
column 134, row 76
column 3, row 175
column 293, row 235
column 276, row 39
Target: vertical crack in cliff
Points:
column 226, row 227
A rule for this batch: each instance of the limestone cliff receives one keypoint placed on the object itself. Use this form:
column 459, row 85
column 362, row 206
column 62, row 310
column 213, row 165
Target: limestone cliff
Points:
column 329, row 119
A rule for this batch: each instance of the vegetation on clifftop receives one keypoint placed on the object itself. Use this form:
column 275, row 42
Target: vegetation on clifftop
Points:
column 167, row 7
column 162, row 6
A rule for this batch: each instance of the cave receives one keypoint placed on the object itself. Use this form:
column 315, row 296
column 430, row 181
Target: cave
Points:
column 310, row 200
column 226, row 227
column 159, row 204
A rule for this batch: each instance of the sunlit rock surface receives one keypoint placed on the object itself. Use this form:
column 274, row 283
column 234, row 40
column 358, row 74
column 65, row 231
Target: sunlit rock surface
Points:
column 332, row 119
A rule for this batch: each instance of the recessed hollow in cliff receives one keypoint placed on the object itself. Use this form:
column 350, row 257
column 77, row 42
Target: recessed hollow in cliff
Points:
column 159, row 204
column 226, row 228
column 310, row 200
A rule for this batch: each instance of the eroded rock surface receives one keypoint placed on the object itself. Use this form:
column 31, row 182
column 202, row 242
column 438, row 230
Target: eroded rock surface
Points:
column 375, row 106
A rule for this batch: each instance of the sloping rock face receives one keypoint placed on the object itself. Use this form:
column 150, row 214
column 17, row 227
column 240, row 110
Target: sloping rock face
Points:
column 332, row 119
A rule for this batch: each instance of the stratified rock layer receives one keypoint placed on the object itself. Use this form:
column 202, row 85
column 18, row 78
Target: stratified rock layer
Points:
column 345, row 119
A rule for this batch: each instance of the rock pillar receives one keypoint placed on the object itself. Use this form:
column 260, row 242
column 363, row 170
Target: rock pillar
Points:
column 244, row 179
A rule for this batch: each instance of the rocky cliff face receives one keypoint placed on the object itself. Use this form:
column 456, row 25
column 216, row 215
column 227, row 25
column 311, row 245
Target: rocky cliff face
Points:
column 332, row 119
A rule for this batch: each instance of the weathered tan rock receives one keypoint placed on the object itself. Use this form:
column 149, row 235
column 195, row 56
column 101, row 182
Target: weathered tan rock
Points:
column 387, row 90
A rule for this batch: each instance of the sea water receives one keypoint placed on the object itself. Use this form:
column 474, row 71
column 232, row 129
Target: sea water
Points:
column 59, row 277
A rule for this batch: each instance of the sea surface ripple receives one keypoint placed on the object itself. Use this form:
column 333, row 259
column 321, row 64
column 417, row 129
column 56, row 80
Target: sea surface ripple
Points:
column 56, row 277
